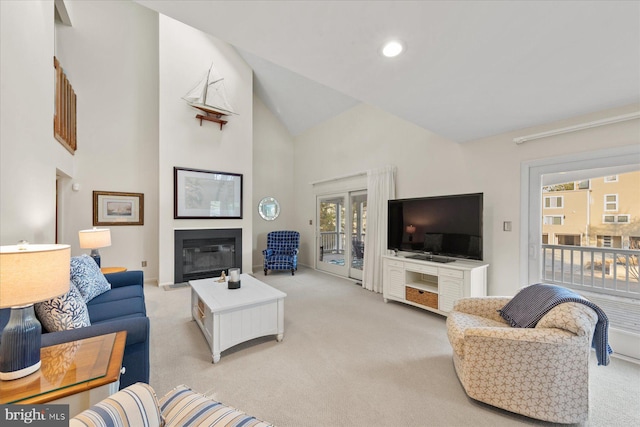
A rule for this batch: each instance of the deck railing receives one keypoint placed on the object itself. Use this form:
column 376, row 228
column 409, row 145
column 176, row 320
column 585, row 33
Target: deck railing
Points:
column 608, row 271
column 334, row 241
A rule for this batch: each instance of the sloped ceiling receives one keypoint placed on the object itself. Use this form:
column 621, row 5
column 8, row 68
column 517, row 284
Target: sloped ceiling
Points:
column 470, row 70
column 298, row 102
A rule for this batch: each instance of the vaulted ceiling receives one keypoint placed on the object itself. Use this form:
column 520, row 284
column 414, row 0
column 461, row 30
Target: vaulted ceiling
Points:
column 470, row 69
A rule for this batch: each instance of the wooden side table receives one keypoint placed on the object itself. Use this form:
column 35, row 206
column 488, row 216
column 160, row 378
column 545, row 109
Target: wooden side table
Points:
column 108, row 270
column 78, row 373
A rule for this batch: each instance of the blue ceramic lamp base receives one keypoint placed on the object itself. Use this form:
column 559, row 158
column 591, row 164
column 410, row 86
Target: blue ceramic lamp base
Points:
column 20, row 345
column 96, row 256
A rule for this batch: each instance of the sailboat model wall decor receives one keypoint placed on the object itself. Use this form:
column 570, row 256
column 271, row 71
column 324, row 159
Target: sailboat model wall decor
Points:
column 209, row 96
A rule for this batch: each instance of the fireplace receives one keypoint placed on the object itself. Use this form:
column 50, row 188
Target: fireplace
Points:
column 200, row 254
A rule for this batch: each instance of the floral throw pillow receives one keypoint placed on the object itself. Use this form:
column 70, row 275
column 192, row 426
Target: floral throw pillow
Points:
column 68, row 311
column 87, row 277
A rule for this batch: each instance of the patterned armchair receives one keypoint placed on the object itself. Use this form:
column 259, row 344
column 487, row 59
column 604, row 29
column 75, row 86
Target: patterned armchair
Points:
column 540, row 372
column 282, row 251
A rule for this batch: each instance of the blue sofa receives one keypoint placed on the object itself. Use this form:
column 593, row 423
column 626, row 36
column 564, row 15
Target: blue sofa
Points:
column 120, row 309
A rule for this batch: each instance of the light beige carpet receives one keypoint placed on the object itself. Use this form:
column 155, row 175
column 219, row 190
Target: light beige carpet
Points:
column 347, row 359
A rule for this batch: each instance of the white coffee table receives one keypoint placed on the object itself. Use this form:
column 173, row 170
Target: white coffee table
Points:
column 228, row 317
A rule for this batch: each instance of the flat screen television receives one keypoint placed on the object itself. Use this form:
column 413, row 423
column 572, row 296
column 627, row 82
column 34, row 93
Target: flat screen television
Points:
column 448, row 226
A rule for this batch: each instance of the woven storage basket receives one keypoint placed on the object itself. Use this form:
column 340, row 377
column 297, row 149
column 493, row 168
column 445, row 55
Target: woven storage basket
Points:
column 425, row 298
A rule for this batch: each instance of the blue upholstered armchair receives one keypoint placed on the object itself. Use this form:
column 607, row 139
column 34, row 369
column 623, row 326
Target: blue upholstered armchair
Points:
column 282, row 251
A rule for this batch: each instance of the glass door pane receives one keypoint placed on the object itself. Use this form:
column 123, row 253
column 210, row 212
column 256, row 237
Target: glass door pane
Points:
column 331, row 240
column 358, row 215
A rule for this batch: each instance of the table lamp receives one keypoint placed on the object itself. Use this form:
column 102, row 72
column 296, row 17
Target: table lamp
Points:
column 410, row 230
column 28, row 274
column 95, row 239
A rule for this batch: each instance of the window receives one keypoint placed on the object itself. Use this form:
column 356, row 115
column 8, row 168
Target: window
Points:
column 584, row 185
column 616, row 219
column 553, row 220
column 553, row 202
column 568, row 239
column 610, row 202
column 547, row 171
column 606, row 241
column 611, row 178
column 567, row 186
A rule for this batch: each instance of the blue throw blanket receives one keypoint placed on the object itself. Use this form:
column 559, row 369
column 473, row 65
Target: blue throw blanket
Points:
column 529, row 305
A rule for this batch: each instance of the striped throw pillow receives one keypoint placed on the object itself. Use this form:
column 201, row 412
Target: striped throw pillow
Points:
column 184, row 407
column 133, row 406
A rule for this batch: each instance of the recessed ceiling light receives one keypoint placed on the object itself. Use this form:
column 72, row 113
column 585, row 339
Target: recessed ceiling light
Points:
column 392, row 49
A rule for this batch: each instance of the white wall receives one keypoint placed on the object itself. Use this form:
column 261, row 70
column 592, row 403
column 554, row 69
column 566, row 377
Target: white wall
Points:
column 110, row 55
column 29, row 154
column 273, row 167
column 185, row 56
column 498, row 169
column 364, row 138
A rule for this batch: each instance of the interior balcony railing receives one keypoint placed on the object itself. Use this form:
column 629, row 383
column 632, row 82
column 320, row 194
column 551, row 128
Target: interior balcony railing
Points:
column 606, row 276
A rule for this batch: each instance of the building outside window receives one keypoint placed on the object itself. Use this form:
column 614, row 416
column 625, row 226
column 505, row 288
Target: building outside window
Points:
column 616, row 219
column 553, row 220
column 610, row 202
column 592, row 208
column 553, row 202
column 584, row 185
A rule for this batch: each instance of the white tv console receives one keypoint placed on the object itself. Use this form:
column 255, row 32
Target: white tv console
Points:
column 431, row 285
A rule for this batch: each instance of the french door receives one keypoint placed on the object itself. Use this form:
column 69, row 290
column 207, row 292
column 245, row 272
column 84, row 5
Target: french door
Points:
column 341, row 227
column 358, row 223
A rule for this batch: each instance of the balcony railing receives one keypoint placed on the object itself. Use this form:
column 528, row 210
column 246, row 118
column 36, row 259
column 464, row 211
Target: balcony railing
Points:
column 334, row 241
column 608, row 271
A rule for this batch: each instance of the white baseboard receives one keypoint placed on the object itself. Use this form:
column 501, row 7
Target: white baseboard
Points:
column 625, row 344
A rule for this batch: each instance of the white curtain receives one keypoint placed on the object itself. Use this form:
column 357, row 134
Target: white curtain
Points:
column 381, row 187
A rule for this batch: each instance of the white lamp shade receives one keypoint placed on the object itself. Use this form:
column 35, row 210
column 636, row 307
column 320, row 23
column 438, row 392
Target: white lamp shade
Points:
column 95, row 238
column 33, row 273
column 411, row 229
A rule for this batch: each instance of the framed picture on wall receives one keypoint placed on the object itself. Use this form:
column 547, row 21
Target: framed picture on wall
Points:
column 113, row 208
column 200, row 194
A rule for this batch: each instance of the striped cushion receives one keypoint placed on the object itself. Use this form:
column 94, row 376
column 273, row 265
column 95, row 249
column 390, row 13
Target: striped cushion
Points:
column 134, row 406
column 183, row 407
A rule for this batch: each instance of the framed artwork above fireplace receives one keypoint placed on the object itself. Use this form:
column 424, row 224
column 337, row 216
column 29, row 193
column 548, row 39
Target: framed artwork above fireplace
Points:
column 203, row 194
